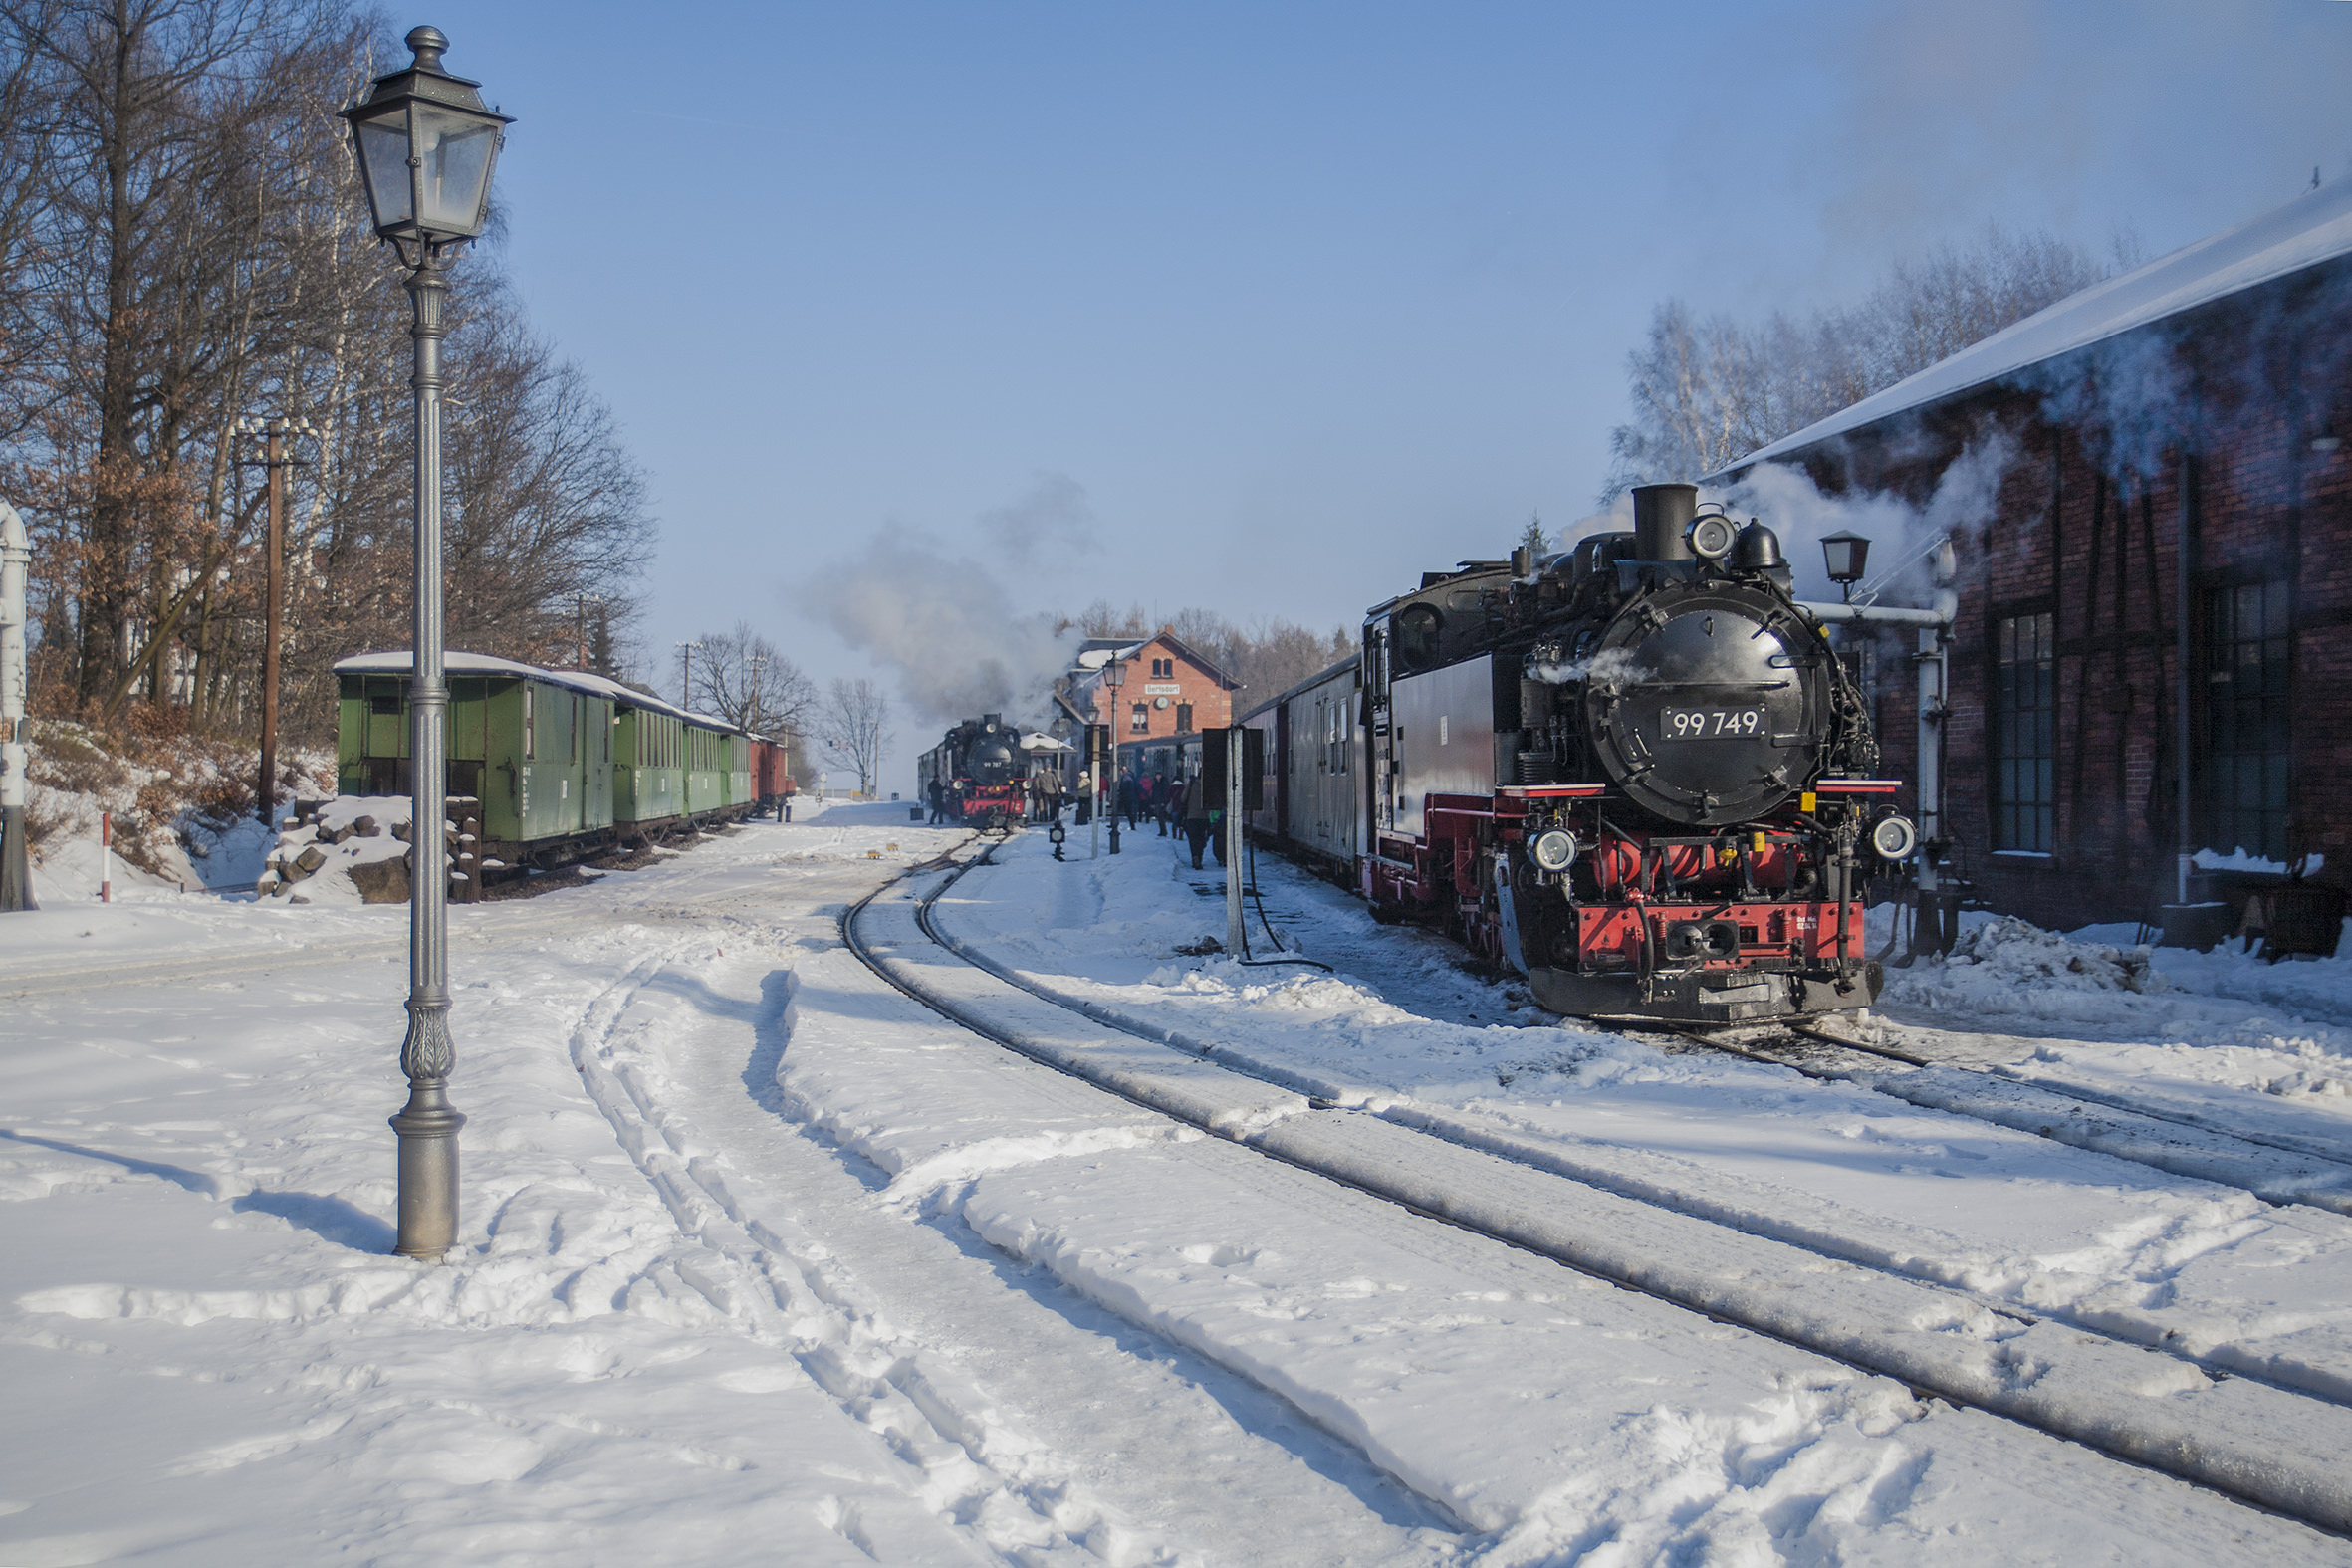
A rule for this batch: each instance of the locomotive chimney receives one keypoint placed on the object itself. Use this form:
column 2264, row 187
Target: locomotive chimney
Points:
column 1661, row 512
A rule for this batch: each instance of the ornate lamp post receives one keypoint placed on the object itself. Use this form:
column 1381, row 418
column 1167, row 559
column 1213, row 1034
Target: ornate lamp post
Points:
column 425, row 143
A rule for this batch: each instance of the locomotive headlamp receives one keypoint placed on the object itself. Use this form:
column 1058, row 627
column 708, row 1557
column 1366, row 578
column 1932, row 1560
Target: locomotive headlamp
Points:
column 1710, row 536
column 1894, row 838
column 1555, row 850
column 1846, row 554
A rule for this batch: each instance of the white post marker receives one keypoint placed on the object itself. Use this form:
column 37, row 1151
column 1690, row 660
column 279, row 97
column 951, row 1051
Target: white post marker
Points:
column 106, row 857
column 16, row 555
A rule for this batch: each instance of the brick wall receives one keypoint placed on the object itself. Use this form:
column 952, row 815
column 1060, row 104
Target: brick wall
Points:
column 1186, row 685
column 2088, row 525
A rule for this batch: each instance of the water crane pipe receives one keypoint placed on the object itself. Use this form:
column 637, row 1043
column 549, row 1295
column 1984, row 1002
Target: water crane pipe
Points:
column 1934, row 625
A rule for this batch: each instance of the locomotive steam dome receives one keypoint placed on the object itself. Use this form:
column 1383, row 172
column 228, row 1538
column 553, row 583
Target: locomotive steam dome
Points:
column 1707, row 702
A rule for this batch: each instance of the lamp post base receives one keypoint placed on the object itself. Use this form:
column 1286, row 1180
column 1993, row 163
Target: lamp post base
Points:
column 427, row 1126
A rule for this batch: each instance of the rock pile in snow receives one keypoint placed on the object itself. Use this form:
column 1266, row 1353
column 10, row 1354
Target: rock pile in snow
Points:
column 353, row 850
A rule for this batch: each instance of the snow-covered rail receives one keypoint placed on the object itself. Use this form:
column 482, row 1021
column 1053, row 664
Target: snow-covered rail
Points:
column 2265, row 1444
column 2279, row 1170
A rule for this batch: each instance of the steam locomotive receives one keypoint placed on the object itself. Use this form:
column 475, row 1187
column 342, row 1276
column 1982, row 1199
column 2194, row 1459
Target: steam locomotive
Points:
column 1634, row 772
column 980, row 767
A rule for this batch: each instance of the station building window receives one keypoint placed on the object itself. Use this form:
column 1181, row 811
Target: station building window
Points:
column 1184, row 717
column 2248, row 728
column 2024, row 733
column 1140, row 724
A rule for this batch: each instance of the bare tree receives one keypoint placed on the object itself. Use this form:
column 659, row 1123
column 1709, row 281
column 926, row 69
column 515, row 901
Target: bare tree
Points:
column 1706, row 392
column 741, row 677
column 855, row 727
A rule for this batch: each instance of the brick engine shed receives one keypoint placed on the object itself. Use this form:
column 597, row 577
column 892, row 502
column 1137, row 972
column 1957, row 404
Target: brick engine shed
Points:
column 2168, row 537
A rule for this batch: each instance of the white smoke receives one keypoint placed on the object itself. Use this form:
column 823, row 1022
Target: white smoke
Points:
column 1966, row 500
column 1784, row 498
column 945, row 628
column 1609, row 669
column 1051, row 517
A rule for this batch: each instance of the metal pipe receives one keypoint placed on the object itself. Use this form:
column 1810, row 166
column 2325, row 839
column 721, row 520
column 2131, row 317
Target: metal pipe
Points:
column 273, row 625
column 2184, row 836
column 16, row 558
column 428, row 1124
column 1236, row 748
column 1946, row 611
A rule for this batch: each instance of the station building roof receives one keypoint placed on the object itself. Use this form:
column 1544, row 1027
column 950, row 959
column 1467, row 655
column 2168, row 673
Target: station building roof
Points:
column 2313, row 228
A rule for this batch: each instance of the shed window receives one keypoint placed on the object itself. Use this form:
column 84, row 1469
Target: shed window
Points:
column 2024, row 733
column 2246, row 723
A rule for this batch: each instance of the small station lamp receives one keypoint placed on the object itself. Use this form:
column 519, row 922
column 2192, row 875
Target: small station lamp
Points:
column 1846, row 554
column 426, row 143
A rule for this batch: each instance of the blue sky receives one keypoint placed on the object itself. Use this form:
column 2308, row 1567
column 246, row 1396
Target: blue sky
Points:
column 1272, row 307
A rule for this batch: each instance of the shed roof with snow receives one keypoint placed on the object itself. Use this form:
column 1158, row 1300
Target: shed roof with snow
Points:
column 2313, row 228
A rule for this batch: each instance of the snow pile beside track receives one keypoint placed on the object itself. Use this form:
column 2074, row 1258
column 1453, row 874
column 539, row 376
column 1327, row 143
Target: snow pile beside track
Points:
column 2007, row 965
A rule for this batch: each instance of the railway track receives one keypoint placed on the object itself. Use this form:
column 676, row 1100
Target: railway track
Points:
column 2142, row 1402
column 2277, row 1170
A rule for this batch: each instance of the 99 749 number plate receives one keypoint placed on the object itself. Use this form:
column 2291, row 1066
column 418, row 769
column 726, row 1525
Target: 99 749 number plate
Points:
column 1712, row 724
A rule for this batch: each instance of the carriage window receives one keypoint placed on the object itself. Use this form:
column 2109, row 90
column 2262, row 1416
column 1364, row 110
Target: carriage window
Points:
column 2024, row 733
column 530, row 723
column 2247, row 727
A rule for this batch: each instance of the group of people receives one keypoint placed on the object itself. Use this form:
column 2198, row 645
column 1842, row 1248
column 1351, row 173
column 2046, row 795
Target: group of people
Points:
column 1174, row 803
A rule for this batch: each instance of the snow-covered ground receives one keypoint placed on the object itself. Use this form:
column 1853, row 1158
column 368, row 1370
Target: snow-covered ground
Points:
column 760, row 1260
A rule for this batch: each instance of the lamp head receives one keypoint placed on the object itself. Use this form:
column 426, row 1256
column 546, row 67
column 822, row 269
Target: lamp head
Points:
column 426, row 144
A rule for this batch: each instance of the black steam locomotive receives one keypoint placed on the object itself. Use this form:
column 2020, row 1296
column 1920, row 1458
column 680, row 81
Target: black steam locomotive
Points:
column 980, row 769
column 1635, row 771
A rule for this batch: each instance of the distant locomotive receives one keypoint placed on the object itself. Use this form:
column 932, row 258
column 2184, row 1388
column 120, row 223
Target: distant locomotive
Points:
column 980, row 767
column 1635, row 772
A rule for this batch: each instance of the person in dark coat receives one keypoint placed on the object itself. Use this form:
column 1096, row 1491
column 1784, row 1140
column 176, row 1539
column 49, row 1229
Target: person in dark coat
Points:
column 938, row 803
column 1203, row 823
column 1127, row 799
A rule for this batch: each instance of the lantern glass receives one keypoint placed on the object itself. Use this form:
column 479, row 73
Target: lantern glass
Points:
column 1115, row 673
column 1845, row 555
column 383, row 159
column 453, row 186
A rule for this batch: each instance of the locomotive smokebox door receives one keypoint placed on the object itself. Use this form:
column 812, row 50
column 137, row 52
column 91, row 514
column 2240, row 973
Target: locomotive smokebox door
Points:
column 1707, row 704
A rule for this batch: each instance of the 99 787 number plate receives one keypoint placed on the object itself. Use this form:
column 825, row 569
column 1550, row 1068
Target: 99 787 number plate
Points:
column 1712, row 723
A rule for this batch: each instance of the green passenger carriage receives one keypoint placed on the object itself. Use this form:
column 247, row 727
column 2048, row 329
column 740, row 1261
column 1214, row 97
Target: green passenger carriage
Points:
column 562, row 762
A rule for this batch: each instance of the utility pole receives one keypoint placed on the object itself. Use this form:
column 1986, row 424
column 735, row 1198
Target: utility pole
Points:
column 686, row 651
column 273, row 433
column 750, row 710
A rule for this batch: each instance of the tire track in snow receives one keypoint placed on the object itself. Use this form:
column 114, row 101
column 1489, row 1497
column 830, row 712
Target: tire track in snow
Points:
column 971, row 1467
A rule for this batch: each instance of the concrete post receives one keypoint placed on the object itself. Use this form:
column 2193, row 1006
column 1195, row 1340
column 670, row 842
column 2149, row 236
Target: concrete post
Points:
column 16, row 558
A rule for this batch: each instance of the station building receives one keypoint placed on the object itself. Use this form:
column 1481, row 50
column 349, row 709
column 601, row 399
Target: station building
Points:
column 1169, row 687
column 2153, row 648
